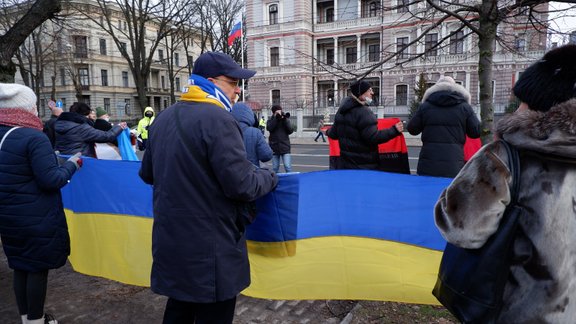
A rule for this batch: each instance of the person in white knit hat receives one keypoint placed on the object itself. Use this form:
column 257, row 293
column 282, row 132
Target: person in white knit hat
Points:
column 32, row 223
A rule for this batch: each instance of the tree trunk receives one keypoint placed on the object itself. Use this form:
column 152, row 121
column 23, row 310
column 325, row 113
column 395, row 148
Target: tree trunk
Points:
column 141, row 90
column 40, row 11
column 486, row 42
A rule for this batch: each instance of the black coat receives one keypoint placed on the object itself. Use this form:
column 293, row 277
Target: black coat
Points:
column 49, row 129
column 444, row 119
column 202, row 180
column 356, row 129
column 102, row 125
column 75, row 134
column 32, row 222
column 279, row 139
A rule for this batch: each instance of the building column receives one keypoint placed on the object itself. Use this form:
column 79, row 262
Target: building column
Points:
column 336, row 60
column 336, row 94
column 299, row 121
column 380, row 111
column 335, row 10
column 358, row 48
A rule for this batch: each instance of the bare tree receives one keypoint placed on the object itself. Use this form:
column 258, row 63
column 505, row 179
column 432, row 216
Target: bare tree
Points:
column 35, row 15
column 138, row 28
column 179, row 37
column 476, row 19
column 216, row 18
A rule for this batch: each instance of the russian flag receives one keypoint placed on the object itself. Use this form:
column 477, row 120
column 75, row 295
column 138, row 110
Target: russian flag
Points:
column 235, row 33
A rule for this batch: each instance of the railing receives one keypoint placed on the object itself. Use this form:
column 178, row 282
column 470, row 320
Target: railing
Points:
column 347, row 24
column 290, row 69
column 286, row 26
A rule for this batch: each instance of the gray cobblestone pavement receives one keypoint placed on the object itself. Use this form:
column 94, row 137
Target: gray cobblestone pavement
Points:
column 76, row 298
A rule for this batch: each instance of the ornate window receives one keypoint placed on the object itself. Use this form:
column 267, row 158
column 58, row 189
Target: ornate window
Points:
column 273, row 14
column 401, row 95
column 457, row 43
column 275, row 97
column 274, row 56
column 402, row 49
column 430, row 42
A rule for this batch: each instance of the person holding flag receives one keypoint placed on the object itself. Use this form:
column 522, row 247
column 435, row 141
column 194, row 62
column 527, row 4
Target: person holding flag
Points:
column 236, row 32
column 203, row 184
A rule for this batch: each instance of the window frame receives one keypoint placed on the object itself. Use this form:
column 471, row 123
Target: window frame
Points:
column 275, row 96
column 397, row 98
column 84, row 76
column 457, row 43
column 429, row 49
column 329, row 14
column 274, row 56
column 374, row 56
column 403, row 6
column 125, row 79
column 351, row 58
column 330, row 56
column 103, row 47
column 273, row 14
column 104, row 77
column 403, row 53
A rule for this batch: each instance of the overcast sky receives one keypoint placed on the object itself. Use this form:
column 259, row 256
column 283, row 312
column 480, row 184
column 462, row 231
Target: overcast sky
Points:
column 564, row 21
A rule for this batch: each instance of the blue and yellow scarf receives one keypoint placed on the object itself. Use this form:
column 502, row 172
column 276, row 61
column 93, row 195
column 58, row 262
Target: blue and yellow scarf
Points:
column 199, row 89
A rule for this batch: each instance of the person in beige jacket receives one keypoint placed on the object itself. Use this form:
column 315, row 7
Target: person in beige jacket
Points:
column 542, row 283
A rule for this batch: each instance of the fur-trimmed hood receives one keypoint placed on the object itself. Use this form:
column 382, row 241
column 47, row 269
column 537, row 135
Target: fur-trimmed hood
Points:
column 446, row 94
column 551, row 132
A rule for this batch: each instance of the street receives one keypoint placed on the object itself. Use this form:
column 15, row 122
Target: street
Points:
column 315, row 157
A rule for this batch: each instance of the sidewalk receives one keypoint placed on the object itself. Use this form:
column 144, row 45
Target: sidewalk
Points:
column 74, row 298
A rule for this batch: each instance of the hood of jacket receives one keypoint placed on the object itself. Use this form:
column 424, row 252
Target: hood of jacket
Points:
column 71, row 120
column 348, row 104
column 243, row 114
column 551, row 132
column 147, row 109
column 446, row 94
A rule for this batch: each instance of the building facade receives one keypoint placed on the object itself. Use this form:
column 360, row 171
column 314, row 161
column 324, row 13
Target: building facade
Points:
column 81, row 62
column 306, row 53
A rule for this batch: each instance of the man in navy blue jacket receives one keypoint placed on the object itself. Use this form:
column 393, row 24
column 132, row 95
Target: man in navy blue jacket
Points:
column 202, row 181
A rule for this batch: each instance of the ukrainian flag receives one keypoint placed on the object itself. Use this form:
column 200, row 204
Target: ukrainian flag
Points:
column 346, row 234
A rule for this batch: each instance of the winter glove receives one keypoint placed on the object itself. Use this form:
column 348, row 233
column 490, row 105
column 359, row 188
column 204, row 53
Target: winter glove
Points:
column 76, row 159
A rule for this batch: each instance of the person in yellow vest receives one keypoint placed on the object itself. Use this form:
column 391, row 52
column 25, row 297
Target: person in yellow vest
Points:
column 262, row 124
column 143, row 125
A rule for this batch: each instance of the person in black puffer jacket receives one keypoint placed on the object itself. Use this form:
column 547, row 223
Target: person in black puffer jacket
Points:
column 356, row 129
column 74, row 133
column 32, row 222
column 280, row 129
column 444, row 118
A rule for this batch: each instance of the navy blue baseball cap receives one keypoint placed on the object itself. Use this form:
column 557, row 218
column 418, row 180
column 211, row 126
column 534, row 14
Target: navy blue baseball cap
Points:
column 213, row 64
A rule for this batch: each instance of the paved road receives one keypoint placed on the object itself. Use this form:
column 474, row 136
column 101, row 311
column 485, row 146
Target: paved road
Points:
column 315, row 157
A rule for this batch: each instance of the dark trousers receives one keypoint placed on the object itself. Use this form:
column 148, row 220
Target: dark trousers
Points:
column 320, row 134
column 180, row 312
column 142, row 145
column 30, row 290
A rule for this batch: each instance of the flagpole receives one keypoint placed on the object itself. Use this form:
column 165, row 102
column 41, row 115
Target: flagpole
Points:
column 242, row 52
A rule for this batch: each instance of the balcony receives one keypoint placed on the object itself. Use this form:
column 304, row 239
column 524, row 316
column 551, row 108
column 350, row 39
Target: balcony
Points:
column 276, row 28
column 283, row 69
column 348, row 24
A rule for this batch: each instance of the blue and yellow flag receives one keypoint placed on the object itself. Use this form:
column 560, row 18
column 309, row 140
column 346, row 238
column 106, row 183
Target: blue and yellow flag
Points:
column 345, row 234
